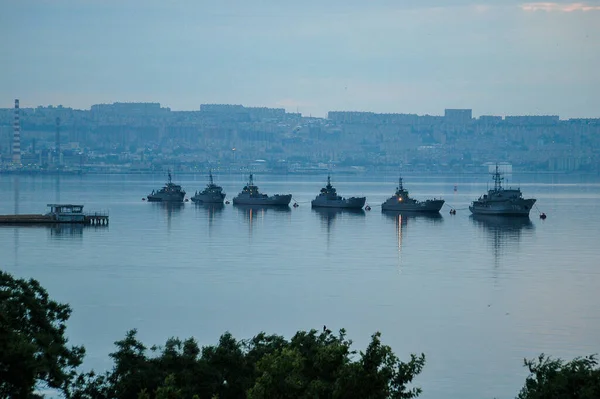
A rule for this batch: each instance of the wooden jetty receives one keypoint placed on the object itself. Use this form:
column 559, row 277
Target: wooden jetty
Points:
column 59, row 213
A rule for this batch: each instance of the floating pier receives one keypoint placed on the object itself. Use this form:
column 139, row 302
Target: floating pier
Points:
column 96, row 219
column 59, row 213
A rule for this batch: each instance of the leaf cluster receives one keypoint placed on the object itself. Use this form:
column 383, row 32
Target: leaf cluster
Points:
column 555, row 378
column 33, row 346
column 310, row 365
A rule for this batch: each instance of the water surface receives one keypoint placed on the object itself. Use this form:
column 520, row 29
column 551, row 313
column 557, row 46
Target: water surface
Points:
column 476, row 295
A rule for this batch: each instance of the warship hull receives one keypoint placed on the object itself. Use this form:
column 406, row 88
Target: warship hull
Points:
column 209, row 198
column 506, row 208
column 429, row 206
column 175, row 197
column 504, row 224
column 349, row 203
column 274, row 200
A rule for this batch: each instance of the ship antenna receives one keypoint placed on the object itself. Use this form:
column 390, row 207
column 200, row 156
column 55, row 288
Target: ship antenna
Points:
column 210, row 178
column 497, row 180
column 251, row 181
column 169, row 176
column 400, row 183
column 329, row 180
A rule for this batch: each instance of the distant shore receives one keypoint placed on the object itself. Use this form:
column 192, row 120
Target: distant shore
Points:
column 284, row 173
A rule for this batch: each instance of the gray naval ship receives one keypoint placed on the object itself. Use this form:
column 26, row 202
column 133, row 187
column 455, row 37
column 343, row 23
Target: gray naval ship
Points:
column 212, row 194
column 502, row 202
column 250, row 195
column 171, row 192
column 328, row 198
column 401, row 202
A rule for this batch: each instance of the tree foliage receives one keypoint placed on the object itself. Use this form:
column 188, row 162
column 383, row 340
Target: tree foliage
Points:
column 555, row 378
column 311, row 364
column 33, row 346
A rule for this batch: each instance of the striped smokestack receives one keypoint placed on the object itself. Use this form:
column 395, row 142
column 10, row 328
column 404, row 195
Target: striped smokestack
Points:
column 16, row 149
column 57, row 160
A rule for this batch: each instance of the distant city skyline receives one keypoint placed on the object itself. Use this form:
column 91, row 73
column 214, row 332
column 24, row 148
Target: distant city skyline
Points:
column 156, row 108
column 421, row 57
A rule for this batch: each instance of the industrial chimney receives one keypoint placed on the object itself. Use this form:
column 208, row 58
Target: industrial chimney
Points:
column 16, row 148
column 57, row 160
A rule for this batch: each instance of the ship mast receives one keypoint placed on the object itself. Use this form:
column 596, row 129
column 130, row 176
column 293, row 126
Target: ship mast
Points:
column 497, row 180
column 251, row 181
column 210, row 178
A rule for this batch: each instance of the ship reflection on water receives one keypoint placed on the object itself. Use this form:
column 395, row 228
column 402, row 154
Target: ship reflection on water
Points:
column 170, row 209
column 328, row 215
column 504, row 227
column 503, row 232
column 434, row 217
column 210, row 211
column 252, row 213
column 402, row 219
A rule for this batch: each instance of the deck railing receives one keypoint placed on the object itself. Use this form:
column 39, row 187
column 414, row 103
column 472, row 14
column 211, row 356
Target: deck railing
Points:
column 101, row 213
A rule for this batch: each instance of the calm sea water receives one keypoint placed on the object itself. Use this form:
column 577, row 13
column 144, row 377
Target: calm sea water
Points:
column 476, row 296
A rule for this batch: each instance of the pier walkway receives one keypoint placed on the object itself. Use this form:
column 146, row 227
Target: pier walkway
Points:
column 59, row 214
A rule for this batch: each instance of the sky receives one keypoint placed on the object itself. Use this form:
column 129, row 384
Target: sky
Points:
column 498, row 57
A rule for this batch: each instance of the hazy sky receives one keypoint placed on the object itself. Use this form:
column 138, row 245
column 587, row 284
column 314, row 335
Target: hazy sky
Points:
column 415, row 56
